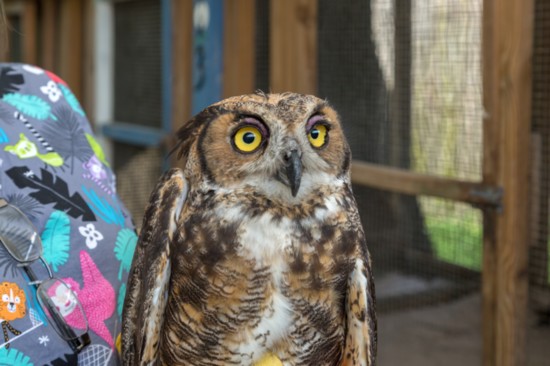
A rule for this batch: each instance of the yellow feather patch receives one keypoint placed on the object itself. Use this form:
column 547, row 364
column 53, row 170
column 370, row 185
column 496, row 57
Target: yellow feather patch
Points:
column 269, row 360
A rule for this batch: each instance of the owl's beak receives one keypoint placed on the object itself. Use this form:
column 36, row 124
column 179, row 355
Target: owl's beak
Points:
column 293, row 170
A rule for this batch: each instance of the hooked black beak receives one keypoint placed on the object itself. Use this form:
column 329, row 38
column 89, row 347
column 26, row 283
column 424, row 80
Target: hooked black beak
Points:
column 294, row 170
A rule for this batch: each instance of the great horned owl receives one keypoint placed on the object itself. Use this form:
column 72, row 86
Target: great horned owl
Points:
column 256, row 247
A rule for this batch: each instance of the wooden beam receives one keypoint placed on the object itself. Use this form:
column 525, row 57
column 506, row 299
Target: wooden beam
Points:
column 407, row 182
column 70, row 44
column 182, row 39
column 48, row 30
column 540, row 288
column 239, row 47
column 293, row 46
column 507, row 53
column 28, row 32
column 88, row 51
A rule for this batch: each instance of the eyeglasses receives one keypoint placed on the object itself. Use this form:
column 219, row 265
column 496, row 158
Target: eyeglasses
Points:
column 59, row 302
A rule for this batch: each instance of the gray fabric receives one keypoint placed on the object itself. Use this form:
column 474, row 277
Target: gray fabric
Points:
column 55, row 172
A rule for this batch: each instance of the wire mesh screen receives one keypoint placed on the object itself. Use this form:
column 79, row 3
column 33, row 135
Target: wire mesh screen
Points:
column 137, row 92
column 137, row 84
column 405, row 76
column 406, row 79
column 539, row 264
column 138, row 170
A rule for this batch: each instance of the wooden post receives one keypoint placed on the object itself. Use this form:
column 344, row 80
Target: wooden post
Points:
column 507, row 54
column 47, row 34
column 70, row 44
column 293, row 46
column 88, row 51
column 182, row 38
column 239, row 47
column 28, row 30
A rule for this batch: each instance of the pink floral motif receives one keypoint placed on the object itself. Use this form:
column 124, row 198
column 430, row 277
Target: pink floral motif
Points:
column 97, row 297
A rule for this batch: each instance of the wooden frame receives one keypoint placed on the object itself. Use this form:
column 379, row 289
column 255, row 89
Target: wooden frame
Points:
column 70, row 44
column 407, row 182
column 182, row 38
column 26, row 10
column 507, row 56
column 239, row 47
column 293, row 46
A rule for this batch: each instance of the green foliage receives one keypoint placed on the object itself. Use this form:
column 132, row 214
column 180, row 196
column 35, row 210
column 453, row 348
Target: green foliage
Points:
column 456, row 241
column 457, row 235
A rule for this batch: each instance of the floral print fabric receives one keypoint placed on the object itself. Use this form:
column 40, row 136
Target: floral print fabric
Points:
column 55, row 172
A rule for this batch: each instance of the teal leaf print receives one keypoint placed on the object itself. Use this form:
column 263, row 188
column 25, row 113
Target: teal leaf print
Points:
column 103, row 209
column 3, row 137
column 121, row 296
column 14, row 357
column 71, row 99
column 125, row 245
column 30, row 105
column 56, row 239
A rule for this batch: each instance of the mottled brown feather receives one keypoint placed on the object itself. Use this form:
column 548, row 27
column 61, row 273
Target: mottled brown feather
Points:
column 254, row 270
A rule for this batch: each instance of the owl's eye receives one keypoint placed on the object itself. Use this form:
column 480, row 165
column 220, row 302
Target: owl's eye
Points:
column 318, row 135
column 247, row 139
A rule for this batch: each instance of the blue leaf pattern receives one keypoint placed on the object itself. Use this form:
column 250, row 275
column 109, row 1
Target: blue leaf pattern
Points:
column 121, row 296
column 30, row 105
column 56, row 239
column 125, row 246
column 71, row 99
column 14, row 357
column 3, row 137
column 103, row 209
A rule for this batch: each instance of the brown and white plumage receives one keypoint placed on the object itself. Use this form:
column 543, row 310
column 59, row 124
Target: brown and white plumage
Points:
column 249, row 253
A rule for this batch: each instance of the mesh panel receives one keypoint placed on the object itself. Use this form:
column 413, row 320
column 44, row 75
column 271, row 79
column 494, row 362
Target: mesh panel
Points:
column 405, row 77
column 539, row 273
column 137, row 97
column 262, row 45
column 15, row 39
column 138, row 170
column 138, row 84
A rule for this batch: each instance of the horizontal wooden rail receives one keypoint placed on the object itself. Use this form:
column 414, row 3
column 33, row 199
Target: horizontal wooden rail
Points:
column 407, row 182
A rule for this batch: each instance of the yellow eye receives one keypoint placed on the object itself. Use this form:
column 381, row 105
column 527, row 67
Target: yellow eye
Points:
column 247, row 139
column 318, row 135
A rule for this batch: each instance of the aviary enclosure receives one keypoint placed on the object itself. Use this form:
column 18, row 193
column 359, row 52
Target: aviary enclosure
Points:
column 447, row 108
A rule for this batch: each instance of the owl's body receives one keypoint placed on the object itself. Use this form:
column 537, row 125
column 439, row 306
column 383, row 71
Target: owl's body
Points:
column 249, row 253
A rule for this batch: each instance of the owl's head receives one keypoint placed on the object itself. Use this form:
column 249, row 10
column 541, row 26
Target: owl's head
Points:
column 283, row 146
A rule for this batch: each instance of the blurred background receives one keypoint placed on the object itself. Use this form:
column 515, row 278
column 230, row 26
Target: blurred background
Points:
column 462, row 279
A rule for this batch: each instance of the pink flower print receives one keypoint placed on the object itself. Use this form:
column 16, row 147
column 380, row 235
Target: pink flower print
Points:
column 51, row 90
column 91, row 234
column 97, row 298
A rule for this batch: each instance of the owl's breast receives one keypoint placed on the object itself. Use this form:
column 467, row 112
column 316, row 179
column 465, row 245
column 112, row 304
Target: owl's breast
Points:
column 251, row 284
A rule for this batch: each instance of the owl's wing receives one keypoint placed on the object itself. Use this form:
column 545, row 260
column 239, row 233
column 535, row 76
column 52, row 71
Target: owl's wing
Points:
column 145, row 301
column 360, row 349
